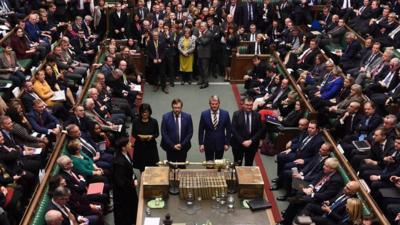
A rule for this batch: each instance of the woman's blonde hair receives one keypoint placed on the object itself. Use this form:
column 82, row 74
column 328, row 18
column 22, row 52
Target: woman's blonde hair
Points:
column 354, row 210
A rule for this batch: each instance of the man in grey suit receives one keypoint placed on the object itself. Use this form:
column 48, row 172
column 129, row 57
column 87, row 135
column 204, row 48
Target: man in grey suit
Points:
column 203, row 43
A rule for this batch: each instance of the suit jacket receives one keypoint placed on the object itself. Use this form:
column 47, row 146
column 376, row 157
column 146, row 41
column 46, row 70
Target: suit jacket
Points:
column 251, row 48
column 275, row 100
column 27, row 101
column 337, row 33
column 377, row 153
column 351, row 52
column 151, row 50
column 331, row 88
column 49, row 121
column 240, row 132
column 392, row 169
column 247, row 36
column 246, row 13
column 5, row 64
column 309, row 59
column 237, row 17
column 329, row 189
column 52, row 206
column 350, row 125
column 369, row 127
column 313, row 168
column 307, row 149
column 83, row 123
column 117, row 22
column 145, row 12
column 218, row 137
column 78, row 186
column 169, row 134
column 203, row 44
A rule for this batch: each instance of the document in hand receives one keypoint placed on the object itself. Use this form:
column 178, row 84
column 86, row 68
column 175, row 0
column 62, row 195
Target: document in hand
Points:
column 95, row 188
column 58, row 96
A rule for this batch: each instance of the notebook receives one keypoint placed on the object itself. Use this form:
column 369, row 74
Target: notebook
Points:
column 259, row 204
column 95, row 188
column 362, row 146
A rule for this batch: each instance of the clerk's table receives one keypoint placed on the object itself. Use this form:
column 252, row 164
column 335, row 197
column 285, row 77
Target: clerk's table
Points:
column 155, row 182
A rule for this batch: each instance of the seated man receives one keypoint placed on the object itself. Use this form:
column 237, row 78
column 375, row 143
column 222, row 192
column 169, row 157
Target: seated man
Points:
column 256, row 75
column 300, row 152
column 273, row 100
column 349, row 121
column 258, row 47
column 103, row 110
column 94, row 117
column 60, row 197
column 367, row 62
column 42, row 121
column 350, row 57
column 321, row 189
column 385, row 81
column 365, row 77
column 389, row 165
column 381, row 146
column 334, row 207
column 308, row 173
column 121, row 88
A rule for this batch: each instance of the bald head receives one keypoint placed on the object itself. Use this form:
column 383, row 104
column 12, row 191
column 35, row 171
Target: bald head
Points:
column 53, row 217
column 352, row 187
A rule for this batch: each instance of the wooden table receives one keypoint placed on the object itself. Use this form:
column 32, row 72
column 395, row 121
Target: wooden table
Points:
column 241, row 64
column 174, row 207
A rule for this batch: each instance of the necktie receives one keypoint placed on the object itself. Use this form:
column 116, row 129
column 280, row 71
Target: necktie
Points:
column 321, row 182
column 156, row 48
column 351, row 122
column 248, row 122
column 215, row 120
column 370, row 59
column 388, row 79
column 305, row 142
column 88, row 146
column 41, row 121
column 362, row 9
column 338, row 201
column 141, row 14
column 177, row 127
column 305, row 54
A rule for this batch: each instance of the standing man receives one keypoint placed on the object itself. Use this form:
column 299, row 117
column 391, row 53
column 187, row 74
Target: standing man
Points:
column 203, row 43
column 247, row 131
column 214, row 130
column 176, row 132
column 156, row 53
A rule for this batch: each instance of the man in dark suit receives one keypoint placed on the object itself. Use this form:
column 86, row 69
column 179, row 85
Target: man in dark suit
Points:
column 275, row 99
column 380, row 147
column 381, row 178
column 309, row 172
column 214, row 130
column 233, row 8
column 156, row 56
column 307, row 58
column 60, row 198
column 349, row 121
column 41, row 119
column 79, row 119
column 141, row 11
column 252, row 35
column 176, row 132
column 386, row 80
column 28, row 96
column 249, row 13
column 300, row 152
column 335, row 207
column 323, row 188
column 118, row 22
column 252, row 79
column 349, row 58
column 203, row 43
column 258, row 47
column 247, row 131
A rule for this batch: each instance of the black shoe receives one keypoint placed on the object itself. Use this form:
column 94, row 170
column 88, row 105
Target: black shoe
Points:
column 172, row 84
column 274, row 187
column 282, row 198
column 189, row 82
column 276, row 180
column 203, row 86
column 182, row 82
column 165, row 90
column 199, row 83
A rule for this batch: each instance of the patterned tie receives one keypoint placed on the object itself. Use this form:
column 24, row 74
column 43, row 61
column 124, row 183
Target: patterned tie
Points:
column 215, row 120
column 177, row 127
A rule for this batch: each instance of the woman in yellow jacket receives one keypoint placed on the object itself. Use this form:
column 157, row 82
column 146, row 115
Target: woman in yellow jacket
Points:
column 43, row 89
